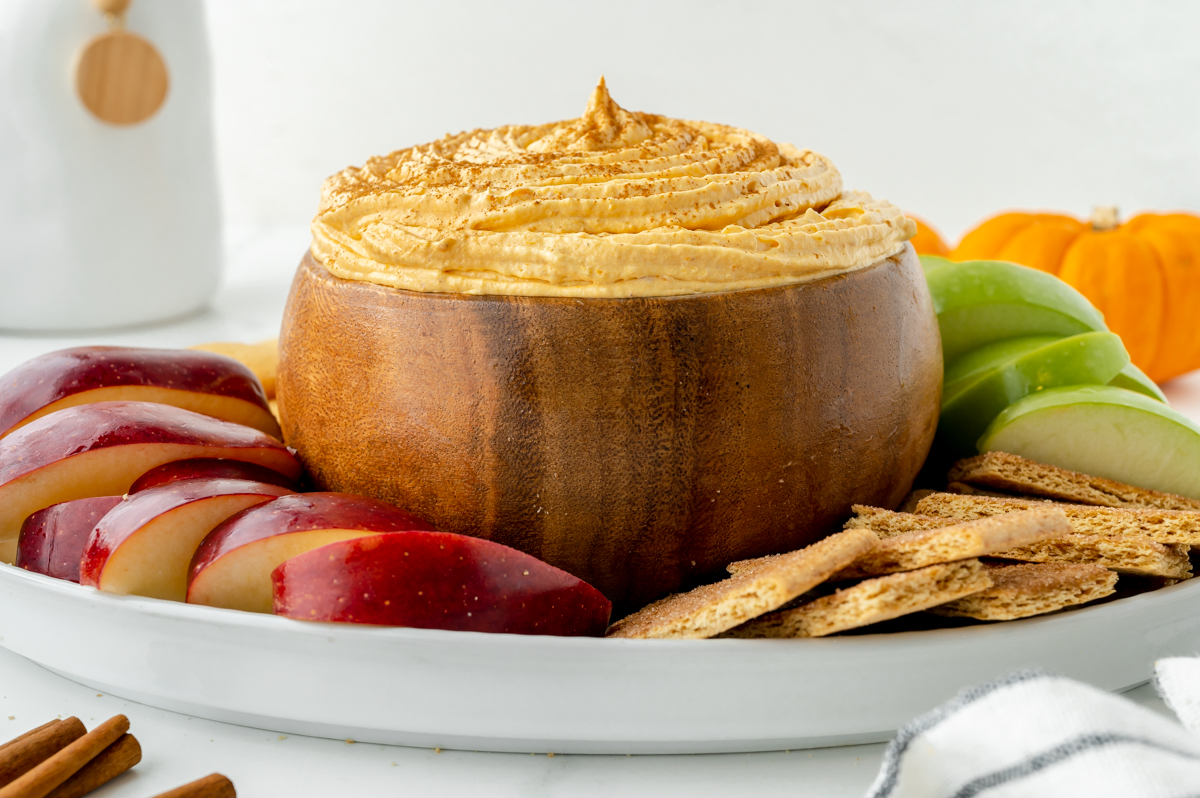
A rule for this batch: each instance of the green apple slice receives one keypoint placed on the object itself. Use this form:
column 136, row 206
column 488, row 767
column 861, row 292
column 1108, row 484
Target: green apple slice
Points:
column 1088, row 359
column 931, row 262
column 1132, row 378
column 1105, row 431
column 982, row 301
column 974, row 365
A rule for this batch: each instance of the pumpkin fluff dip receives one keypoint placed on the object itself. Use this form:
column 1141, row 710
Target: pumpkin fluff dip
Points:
column 614, row 204
column 637, row 348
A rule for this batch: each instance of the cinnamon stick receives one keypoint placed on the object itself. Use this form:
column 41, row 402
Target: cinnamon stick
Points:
column 213, row 785
column 28, row 734
column 41, row 780
column 108, row 764
column 21, row 755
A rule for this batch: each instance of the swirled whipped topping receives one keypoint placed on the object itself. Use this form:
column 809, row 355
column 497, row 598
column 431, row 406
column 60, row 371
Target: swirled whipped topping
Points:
column 614, row 204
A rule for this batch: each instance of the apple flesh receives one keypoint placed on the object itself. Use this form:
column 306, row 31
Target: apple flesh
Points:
column 100, row 449
column 436, row 580
column 980, row 302
column 52, row 540
column 1106, row 431
column 210, row 468
column 143, row 546
column 1087, row 359
column 232, row 567
column 203, row 382
column 1132, row 378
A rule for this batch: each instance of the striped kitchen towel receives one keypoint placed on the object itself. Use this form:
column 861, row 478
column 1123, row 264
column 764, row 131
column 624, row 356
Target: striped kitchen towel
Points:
column 1037, row 734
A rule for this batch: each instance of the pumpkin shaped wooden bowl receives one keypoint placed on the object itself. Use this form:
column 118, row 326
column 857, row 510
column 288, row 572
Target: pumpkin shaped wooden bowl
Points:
column 640, row 444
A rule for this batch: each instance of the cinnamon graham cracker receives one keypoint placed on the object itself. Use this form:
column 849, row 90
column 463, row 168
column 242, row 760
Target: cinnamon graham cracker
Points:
column 1020, row 591
column 1014, row 474
column 871, row 601
column 909, row 504
column 1125, row 554
column 756, row 586
column 889, row 523
column 964, row 541
column 972, row 490
column 1163, row 526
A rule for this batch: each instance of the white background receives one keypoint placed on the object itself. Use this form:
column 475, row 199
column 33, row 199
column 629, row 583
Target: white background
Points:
column 950, row 109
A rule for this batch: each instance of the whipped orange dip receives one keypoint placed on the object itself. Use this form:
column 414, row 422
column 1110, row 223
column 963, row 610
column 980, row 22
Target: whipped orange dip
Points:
column 614, row 204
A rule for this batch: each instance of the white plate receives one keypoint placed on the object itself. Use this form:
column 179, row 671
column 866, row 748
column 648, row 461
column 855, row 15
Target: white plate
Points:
column 567, row 695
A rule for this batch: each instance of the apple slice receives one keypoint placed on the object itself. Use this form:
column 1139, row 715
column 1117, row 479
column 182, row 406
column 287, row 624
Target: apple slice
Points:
column 972, row 366
column 210, row 468
column 100, row 449
column 1088, row 359
column 982, row 301
column 1105, row 431
column 203, row 382
column 1132, row 378
column 232, row 567
column 144, row 545
column 932, row 262
column 261, row 358
column 436, row 580
column 52, row 540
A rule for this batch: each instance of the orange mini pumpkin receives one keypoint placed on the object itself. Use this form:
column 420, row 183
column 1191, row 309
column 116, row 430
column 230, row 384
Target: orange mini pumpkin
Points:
column 1143, row 275
column 927, row 241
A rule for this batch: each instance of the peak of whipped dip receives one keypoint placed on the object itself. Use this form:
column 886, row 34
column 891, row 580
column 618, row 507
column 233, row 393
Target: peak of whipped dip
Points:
column 615, row 203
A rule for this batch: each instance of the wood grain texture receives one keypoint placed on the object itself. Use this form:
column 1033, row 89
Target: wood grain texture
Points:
column 640, row 444
column 121, row 78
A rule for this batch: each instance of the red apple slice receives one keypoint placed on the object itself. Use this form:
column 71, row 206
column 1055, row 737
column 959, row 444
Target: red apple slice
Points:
column 203, row 382
column 144, row 545
column 210, row 468
column 52, row 540
column 232, row 567
column 100, row 449
column 436, row 580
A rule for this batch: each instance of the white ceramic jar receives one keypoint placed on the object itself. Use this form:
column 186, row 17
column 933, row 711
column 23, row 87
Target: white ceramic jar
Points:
column 101, row 225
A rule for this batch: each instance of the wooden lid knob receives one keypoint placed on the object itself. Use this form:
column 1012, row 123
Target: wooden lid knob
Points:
column 112, row 6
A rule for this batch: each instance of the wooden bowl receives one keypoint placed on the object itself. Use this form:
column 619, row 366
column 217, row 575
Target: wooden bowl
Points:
column 640, row 444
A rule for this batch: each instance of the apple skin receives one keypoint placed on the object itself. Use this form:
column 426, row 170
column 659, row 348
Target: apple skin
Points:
column 979, row 302
column 1133, row 378
column 437, row 580
column 144, row 545
column 203, row 382
column 210, row 468
column 100, row 449
column 1086, row 359
column 932, row 262
column 972, row 366
column 232, row 566
column 1104, row 431
column 52, row 540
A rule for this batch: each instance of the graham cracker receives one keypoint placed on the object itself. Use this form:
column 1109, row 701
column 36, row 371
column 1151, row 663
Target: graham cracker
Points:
column 872, row 601
column 1125, row 554
column 1019, row 591
column 964, row 541
column 888, row 523
column 971, row 490
column 756, row 586
column 909, row 504
column 1015, row 474
column 1175, row 527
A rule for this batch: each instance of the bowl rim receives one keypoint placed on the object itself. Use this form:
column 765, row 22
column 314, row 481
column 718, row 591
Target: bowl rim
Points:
column 313, row 263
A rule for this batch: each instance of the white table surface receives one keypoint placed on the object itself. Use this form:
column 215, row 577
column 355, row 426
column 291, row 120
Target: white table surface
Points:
column 178, row 748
